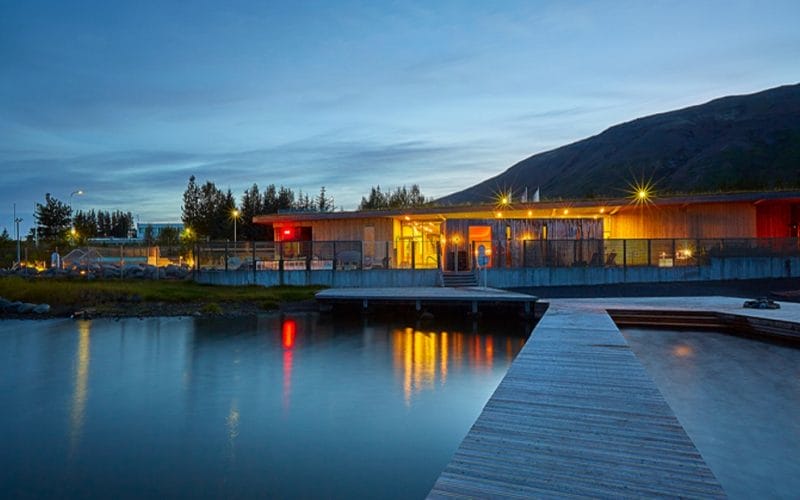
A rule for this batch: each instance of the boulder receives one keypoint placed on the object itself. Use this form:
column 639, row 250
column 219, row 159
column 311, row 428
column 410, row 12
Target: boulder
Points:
column 41, row 309
column 25, row 308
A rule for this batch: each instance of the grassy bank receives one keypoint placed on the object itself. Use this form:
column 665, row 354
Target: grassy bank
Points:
column 115, row 297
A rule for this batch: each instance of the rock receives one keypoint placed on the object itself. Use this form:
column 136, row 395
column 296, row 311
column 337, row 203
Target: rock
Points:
column 11, row 307
column 25, row 308
column 41, row 309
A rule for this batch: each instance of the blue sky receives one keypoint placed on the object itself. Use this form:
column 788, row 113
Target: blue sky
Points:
column 126, row 100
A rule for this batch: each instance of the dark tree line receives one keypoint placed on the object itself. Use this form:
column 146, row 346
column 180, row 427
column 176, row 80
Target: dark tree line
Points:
column 401, row 197
column 209, row 212
column 104, row 224
column 54, row 222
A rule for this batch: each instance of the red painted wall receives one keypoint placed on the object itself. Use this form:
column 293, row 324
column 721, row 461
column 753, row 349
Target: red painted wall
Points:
column 774, row 220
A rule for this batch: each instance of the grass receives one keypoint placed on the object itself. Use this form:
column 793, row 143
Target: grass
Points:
column 72, row 292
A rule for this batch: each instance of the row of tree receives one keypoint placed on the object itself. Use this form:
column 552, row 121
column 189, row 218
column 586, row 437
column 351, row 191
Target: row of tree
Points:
column 54, row 222
column 401, row 197
column 104, row 224
column 210, row 212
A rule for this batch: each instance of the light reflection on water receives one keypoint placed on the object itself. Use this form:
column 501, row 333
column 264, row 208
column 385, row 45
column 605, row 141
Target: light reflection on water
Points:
column 266, row 406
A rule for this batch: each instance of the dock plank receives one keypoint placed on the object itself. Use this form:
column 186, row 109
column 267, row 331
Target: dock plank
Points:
column 576, row 415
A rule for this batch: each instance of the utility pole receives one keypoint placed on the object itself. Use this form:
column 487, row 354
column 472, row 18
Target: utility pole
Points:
column 17, row 220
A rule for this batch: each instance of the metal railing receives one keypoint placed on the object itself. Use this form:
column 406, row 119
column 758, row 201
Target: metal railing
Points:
column 359, row 255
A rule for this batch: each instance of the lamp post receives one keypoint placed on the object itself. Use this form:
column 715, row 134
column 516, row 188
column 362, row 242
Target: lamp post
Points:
column 79, row 192
column 235, row 215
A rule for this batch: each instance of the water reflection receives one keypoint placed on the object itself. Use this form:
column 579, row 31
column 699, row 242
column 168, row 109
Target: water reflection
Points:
column 80, row 392
column 420, row 357
column 294, row 405
column 288, row 336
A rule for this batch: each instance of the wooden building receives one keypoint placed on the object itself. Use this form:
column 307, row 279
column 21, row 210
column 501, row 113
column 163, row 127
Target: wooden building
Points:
column 451, row 237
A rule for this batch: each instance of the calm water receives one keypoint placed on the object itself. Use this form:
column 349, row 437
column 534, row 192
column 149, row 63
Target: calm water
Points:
column 269, row 406
column 739, row 401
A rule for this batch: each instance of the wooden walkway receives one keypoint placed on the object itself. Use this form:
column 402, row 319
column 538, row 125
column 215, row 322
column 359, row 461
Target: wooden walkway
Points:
column 419, row 296
column 577, row 416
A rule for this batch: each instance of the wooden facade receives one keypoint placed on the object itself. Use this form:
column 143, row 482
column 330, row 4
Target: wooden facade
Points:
column 448, row 237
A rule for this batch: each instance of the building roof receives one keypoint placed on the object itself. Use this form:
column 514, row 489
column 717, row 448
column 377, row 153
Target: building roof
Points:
column 560, row 208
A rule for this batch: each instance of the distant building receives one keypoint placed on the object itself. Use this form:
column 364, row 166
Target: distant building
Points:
column 157, row 228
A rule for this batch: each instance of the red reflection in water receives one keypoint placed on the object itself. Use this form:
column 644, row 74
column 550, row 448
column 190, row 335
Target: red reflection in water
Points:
column 288, row 333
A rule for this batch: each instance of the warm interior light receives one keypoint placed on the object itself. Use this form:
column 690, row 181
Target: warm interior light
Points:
column 602, row 210
column 530, row 213
column 498, row 214
column 566, row 211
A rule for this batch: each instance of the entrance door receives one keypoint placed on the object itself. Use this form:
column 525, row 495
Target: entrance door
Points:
column 480, row 235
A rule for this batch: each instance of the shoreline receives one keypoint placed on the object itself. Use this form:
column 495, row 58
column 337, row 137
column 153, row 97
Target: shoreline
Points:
column 780, row 289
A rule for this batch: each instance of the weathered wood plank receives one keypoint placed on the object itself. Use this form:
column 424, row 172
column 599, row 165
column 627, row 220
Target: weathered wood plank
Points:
column 577, row 415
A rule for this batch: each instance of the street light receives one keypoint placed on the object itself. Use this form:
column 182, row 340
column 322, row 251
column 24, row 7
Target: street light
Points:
column 79, row 192
column 235, row 215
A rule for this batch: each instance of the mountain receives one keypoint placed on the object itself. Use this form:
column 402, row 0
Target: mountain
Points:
column 748, row 142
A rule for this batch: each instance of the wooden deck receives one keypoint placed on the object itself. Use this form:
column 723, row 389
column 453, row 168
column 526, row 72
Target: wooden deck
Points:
column 577, row 415
column 420, row 296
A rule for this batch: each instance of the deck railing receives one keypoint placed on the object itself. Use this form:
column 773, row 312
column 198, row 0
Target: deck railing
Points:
column 353, row 255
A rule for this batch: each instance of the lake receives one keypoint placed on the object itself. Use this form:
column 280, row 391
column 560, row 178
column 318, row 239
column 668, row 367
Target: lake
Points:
column 739, row 401
column 274, row 405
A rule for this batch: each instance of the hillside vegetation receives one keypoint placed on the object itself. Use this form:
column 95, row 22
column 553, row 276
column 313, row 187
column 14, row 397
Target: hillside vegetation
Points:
column 749, row 142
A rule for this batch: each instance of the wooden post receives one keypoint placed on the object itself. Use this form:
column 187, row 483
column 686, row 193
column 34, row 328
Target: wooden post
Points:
column 413, row 254
column 253, row 243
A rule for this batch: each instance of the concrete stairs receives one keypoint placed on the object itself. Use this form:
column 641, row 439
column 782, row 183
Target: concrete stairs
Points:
column 459, row 280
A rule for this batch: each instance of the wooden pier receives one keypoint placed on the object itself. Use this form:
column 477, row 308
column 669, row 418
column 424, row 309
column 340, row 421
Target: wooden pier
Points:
column 577, row 415
column 473, row 298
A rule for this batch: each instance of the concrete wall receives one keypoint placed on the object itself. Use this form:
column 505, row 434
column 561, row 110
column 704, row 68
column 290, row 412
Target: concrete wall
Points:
column 718, row 269
column 343, row 279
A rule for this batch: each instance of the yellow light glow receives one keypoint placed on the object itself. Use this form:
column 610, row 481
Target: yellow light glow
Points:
column 641, row 191
column 73, row 232
column 566, row 211
column 602, row 210
column 504, row 200
column 498, row 214
column 407, row 217
column 530, row 213
column 235, row 213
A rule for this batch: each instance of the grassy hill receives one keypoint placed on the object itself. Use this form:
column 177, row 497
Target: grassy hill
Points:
column 749, row 142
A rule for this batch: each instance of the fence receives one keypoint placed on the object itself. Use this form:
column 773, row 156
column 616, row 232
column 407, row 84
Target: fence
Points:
column 358, row 255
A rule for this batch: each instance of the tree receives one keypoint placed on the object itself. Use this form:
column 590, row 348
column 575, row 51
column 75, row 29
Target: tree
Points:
column 251, row 205
column 168, row 237
column 269, row 201
column 53, row 218
column 148, row 237
column 4, row 237
column 285, row 199
column 376, row 201
column 85, row 223
column 324, row 203
column 401, row 197
column 190, row 210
